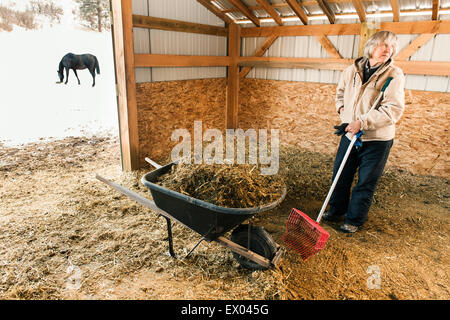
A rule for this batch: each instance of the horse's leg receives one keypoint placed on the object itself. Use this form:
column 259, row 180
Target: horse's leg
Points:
column 76, row 75
column 93, row 76
column 67, row 75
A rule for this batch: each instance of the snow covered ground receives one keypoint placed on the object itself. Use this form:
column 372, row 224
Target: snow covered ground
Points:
column 33, row 106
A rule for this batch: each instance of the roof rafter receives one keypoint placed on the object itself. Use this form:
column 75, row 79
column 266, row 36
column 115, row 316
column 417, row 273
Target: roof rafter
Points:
column 285, row 5
column 327, row 10
column 395, row 10
column 435, row 13
column 359, row 7
column 271, row 11
column 245, row 11
column 298, row 10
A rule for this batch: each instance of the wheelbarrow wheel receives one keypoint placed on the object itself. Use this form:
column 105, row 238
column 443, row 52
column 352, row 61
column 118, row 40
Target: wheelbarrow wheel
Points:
column 260, row 242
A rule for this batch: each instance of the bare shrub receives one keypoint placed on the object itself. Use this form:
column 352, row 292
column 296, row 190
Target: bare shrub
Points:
column 5, row 27
column 9, row 17
column 47, row 8
column 25, row 19
column 6, row 16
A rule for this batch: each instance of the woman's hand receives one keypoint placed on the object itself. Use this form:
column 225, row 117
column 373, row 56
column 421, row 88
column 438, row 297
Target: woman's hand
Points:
column 354, row 127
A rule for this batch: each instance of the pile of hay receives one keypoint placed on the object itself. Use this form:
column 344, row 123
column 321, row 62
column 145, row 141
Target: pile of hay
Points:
column 231, row 186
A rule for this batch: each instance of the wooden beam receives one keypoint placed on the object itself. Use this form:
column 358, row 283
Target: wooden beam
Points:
column 302, row 30
column 327, row 10
column 359, row 7
column 395, row 10
column 328, row 46
column 429, row 68
column 259, row 53
column 232, row 94
column 245, row 11
column 173, row 60
column 294, row 63
column 415, row 45
column 125, row 83
column 271, row 11
column 435, row 68
column 208, row 5
column 176, row 25
column 435, row 12
column 298, row 10
column 410, row 27
column 417, row 27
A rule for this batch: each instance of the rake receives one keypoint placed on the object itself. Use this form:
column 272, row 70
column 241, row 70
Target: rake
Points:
column 303, row 234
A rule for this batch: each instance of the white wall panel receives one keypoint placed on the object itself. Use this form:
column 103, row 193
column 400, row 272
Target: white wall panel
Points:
column 141, row 38
column 440, row 48
column 434, row 50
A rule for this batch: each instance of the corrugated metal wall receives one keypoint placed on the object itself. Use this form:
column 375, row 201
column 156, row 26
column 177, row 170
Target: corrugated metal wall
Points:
column 435, row 50
column 169, row 42
column 301, row 47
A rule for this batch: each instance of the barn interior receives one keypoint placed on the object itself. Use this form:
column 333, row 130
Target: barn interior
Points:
column 249, row 64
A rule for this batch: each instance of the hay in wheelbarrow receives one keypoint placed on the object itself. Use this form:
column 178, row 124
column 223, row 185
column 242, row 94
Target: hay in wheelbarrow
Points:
column 228, row 185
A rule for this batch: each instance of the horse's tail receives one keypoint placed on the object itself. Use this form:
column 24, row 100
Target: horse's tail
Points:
column 61, row 66
column 97, row 67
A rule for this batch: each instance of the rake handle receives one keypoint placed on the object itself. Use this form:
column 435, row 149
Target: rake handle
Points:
column 338, row 174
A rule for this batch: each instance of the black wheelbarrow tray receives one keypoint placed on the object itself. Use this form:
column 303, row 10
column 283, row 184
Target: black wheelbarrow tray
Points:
column 252, row 246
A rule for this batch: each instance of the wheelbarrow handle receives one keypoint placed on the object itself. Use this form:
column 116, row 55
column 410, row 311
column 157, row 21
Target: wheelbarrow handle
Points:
column 153, row 163
column 136, row 197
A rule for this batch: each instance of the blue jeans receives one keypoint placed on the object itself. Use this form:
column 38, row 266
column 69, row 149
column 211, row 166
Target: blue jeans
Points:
column 370, row 159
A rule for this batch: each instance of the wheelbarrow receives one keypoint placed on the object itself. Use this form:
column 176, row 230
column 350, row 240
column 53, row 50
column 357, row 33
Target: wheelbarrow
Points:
column 251, row 245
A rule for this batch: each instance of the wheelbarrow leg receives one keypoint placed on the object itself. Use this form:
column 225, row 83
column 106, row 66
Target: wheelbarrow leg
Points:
column 195, row 247
column 205, row 237
column 169, row 236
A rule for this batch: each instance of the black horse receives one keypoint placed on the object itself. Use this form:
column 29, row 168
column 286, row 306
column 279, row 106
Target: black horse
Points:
column 78, row 61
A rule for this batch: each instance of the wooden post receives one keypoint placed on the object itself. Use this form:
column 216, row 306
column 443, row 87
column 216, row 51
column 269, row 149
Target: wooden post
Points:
column 125, row 83
column 232, row 100
column 367, row 30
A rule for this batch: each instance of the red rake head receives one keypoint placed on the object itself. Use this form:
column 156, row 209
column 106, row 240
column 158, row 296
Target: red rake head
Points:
column 304, row 235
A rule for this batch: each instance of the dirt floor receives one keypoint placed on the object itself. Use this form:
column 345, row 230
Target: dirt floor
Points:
column 66, row 235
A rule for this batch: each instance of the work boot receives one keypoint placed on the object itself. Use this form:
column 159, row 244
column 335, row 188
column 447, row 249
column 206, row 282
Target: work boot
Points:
column 348, row 228
column 328, row 216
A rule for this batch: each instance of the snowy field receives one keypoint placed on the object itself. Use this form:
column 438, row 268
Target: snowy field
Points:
column 33, row 106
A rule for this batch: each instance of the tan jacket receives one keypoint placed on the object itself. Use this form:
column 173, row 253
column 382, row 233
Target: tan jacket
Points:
column 357, row 99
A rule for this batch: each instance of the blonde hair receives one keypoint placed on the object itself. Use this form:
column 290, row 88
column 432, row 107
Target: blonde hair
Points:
column 378, row 38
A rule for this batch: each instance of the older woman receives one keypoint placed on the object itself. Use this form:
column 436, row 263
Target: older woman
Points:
column 358, row 88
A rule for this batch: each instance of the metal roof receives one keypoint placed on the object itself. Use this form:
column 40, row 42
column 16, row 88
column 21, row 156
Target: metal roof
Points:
column 342, row 9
